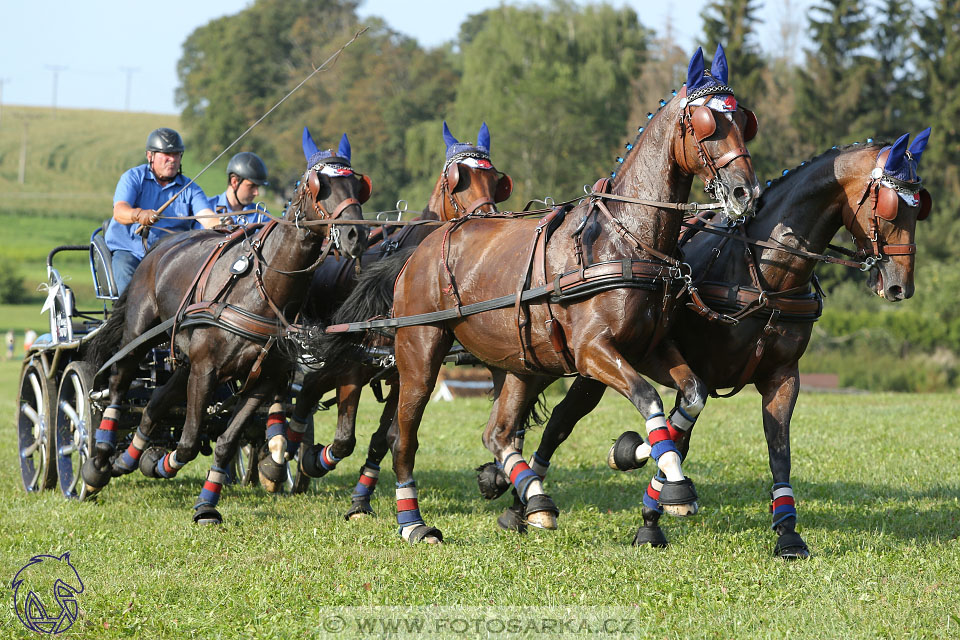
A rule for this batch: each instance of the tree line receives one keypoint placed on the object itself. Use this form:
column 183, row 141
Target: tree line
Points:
column 563, row 87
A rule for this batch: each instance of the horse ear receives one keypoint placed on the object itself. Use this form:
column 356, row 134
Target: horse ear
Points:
column 344, row 150
column 919, row 144
column 309, row 146
column 695, row 70
column 504, row 188
column 719, row 68
column 896, row 156
column 483, row 137
column 447, row 136
column 366, row 188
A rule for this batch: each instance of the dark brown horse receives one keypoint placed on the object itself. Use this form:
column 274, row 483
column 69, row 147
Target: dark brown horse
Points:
column 870, row 190
column 468, row 183
column 607, row 268
column 228, row 298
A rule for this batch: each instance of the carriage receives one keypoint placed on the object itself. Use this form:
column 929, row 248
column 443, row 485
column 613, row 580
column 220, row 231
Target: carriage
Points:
column 59, row 404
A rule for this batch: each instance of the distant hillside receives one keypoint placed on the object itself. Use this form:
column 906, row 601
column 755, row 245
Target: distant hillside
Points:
column 74, row 158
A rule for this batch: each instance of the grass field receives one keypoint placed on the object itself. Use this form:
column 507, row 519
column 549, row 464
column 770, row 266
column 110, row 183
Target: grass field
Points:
column 875, row 476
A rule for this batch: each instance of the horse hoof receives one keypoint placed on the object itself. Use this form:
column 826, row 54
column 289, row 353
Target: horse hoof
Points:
column 650, row 536
column 541, row 512
column 623, row 453
column 94, row 477
column 309, row 464
column 360, row 511
column 492, row 481
column 272, row 475
column 423, row 533
column 149, row 460
column 679, row 498
column 512, row 520
column 790, row 546
column 207, row 515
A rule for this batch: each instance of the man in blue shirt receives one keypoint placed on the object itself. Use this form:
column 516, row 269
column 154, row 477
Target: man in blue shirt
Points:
column 246, row 173
column 140, row 192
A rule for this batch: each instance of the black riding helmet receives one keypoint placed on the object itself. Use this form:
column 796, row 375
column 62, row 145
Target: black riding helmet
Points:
column 248, row 166
column 165, row 140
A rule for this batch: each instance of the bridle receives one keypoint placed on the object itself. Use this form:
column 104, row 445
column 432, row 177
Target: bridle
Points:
column 884, row 194
column 313, row 186
column 450, row 177
column 700, row 122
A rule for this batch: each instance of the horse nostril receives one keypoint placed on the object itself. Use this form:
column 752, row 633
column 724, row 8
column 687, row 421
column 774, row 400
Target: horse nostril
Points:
column 895, row 292
column 741, row 194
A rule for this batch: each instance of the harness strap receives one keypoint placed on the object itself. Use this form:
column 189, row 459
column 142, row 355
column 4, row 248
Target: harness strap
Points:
column 755, row 357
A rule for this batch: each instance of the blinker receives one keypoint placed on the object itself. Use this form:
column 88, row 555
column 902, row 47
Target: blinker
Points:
column 704, row 123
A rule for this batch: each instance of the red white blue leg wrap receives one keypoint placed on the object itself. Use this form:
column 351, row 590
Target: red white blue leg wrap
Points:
column 107, row 431
column 168, row 466
column 524, row 479
column 369, row 474
column 659, row 436
column 783, row 505
column 326, row 459
column 651, row 497
column 540, row 465
column 131, row 457
column 210, row 494
column 295, row 430
column 408, row 509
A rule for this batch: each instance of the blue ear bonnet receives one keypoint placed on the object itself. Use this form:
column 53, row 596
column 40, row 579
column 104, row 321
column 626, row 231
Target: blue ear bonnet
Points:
column 902, row 161
column 314, row 156
column 700, row 82
column 457, row 148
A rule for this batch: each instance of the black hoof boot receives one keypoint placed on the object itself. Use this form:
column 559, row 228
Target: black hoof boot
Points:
column 623, row 453
column 652, row 536
column 359, row 510
column 309, row 461
column 149, row 460
column 679, row 498
column 492, row 481
column 541, row 512
column 272, row 475
column 790, row 546
column 93, row 476
column 512, row 519
column 423, row 533
column 207, row 514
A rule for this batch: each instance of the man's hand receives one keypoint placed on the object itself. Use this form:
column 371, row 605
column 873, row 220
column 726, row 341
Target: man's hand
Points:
column 146, row 217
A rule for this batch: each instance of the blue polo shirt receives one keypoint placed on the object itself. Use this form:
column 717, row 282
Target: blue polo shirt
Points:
column 139, row 187
column 248, row 218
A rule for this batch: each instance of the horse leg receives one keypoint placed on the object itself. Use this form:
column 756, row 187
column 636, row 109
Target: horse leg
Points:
column 320, row 459
column 171, row 393
column 380, row 442
column 780, row 393
column 205, row 509
column 606, row 364
column 512, row 408
column 158, row 463
column 272, row 465
column 420, row 351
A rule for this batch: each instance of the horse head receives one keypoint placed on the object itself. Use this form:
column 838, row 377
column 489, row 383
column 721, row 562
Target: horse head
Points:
column 42, row 579
column 714, row 130
column 883, row 218
column 469, row 182
column 335, row 192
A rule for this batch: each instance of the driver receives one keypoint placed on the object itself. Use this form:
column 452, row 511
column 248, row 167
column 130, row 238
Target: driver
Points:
column 246, row 173
column 144, row 189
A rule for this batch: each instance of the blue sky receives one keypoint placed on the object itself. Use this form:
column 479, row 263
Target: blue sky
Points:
column 112, row 54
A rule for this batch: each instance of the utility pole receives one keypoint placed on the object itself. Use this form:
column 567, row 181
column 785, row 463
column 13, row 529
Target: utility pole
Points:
column 21, row 175
column 129, row 71
column 56, row 73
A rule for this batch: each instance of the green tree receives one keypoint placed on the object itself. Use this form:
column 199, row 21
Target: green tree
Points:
column 732, row 23
column 831, row 91
column 553, row 85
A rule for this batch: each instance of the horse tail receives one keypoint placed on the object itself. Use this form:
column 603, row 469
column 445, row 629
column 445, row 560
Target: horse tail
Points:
column 105, row 341
column 372, row 297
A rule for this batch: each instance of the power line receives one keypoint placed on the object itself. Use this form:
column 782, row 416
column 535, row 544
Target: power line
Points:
column 129, row 71
column 56, row 74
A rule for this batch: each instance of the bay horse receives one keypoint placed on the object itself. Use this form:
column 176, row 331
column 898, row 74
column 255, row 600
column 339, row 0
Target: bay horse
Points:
column 872, row 191
column 609, row 270
column 468, row 183
column 227, row 299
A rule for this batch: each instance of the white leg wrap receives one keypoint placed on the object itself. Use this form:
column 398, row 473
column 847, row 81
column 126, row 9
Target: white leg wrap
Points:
column 669, row 462
column 643, row 451
column 278, row 447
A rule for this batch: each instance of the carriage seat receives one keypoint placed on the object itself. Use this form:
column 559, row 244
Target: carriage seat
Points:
column 101, row 265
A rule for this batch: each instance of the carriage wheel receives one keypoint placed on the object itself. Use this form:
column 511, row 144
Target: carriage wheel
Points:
column 244, row 469
column 35, row 439
column 76, row 424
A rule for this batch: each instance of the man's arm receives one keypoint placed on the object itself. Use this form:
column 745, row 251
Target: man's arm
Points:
column 125, row 214
column 207, row 223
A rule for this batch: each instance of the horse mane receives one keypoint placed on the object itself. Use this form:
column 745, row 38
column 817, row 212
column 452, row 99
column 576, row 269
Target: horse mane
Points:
column 829, row 154
column 632, row 146
column 372, row 297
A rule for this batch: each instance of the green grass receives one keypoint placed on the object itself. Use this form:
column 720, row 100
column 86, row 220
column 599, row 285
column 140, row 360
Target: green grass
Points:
column 875, row 477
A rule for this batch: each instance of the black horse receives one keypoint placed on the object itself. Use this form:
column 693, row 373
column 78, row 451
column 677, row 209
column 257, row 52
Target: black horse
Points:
column 228, row 300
